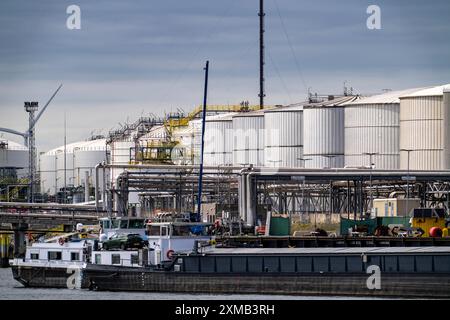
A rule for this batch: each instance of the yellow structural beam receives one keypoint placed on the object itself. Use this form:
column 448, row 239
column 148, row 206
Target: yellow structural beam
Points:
column 172, row 123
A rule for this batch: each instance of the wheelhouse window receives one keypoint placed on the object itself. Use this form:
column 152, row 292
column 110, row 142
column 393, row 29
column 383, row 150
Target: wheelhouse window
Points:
column 134, row 259
column 74, row 256
column 123, row 224
column 54, row 255
column 106, row 224
column 136, row 224
column 192, row 230
column 153, row 231
column 115, row 258
column 98, row 258
column 34, row 256
column 115, row 224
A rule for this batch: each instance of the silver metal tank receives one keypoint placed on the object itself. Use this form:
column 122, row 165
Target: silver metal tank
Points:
column 283, row 140
column 422, row 129
column 372, row 126
column 324, row 133
column 248, row 141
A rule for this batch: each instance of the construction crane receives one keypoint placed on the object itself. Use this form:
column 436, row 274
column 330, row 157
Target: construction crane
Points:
column 29, row 137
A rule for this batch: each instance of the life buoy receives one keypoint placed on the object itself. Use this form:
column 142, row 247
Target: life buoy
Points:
column 170, row 253
column 61, row 241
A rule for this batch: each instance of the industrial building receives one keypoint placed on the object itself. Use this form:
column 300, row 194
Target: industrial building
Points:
column 13, row 158
column 13, row 170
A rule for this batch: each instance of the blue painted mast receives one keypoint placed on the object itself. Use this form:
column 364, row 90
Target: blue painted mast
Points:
column 200, row 177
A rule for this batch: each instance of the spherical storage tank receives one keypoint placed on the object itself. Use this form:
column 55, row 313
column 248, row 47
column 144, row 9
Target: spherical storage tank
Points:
column 372, row 126
column 81, row 157
column 248, row 138
column 424, row 129
column 13, row 156
column 324, row 133
column 283, row 137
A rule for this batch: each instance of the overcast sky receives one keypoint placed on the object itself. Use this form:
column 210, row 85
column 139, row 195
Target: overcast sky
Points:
column 147, row 56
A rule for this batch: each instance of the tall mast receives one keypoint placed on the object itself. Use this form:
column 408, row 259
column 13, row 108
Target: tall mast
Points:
column 261, row 54
column 200, row 176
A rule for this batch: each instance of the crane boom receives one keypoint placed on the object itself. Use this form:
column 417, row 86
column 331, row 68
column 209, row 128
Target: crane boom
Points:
column 43, row 109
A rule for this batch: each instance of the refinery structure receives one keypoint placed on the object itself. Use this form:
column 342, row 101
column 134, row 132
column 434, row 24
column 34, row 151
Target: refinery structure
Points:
column 319, row 156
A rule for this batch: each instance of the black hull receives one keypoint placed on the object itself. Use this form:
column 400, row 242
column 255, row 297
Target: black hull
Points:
column 327, row 284
column 4, row 262
column 44, row 277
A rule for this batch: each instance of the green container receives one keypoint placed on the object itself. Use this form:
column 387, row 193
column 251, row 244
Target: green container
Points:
column 279, row 226
column 386, row 221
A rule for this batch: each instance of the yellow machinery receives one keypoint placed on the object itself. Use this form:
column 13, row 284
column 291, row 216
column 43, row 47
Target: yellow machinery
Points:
column 12, row 189
column 4, row 250
column 426, row 218
column 155, row 151
column 160, row 151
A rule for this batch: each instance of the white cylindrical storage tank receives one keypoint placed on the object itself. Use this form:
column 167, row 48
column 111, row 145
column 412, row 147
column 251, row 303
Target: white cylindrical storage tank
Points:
column 283, row 140
column 85, row 158
column 219, row 140
column 64, row 170
column 80, row 157
column 120, row 155
column 422, row 130
column 324, row 133
column 196, row 139
column 372, row 126
column 47, row 170
column 182, row 154
column 248, row 140
column 446, row 98
column 195, row 127
column 14, row 156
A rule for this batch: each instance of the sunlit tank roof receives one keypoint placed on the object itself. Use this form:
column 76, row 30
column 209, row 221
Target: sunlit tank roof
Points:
column 92, row 145
column 428, row 92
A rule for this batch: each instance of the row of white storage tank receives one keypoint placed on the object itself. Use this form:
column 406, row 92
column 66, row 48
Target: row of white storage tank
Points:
column 338, row 133
column 80, row 157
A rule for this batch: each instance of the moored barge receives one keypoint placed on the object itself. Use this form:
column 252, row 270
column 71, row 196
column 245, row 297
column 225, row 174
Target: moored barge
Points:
column 401, row 272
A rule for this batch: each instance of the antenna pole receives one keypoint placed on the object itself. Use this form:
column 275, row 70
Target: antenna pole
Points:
column 200, row 177
column 261, row 54
column 65, row 158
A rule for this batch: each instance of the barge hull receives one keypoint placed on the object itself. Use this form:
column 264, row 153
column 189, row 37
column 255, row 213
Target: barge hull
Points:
column 392, row 285
column 47, row 277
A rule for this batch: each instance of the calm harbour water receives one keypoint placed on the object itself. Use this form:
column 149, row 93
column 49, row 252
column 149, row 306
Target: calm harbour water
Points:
column 12, row 290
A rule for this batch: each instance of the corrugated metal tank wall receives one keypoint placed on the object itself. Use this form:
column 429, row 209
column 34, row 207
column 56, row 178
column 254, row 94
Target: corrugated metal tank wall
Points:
column 60, row 169
column 86, row 160
column 372, row 128
column 120, row 154
column 446, row 106
column 248, row 141
column 48, row 173
column 218, row 142
column 283, row 141
column 324, row 136
column 422, row 130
